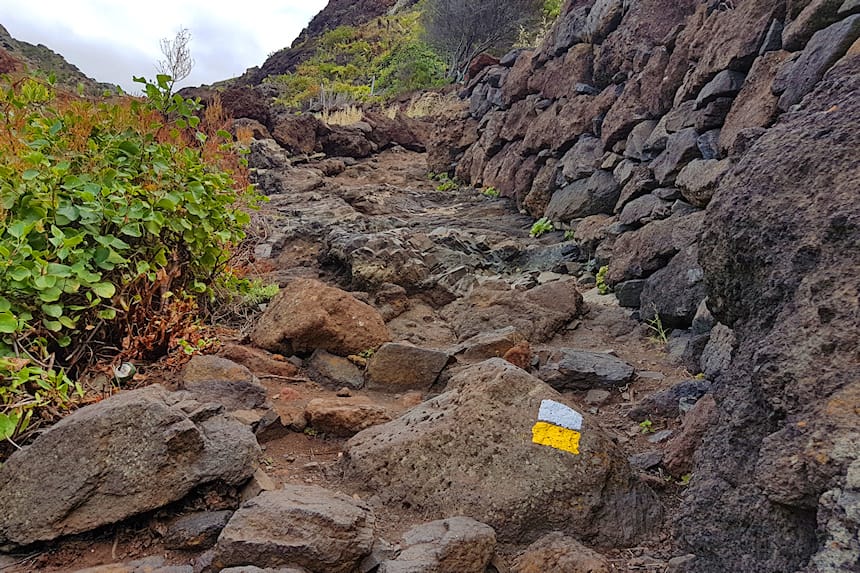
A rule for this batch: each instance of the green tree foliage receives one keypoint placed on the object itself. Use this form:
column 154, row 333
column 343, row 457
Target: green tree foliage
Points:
column 372, row 62
column 114, row 216
column 459, row 30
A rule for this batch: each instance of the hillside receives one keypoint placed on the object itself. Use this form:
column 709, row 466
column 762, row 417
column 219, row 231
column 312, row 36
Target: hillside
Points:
column 40, row 57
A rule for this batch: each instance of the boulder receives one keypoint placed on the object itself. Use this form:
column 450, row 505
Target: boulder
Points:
column 583, row 159
column 680, row 148
column 131, row 453
column 725, row 84
column 297, row 133
column 635, row 148
column 558, row 553
column 307, row 314
column 344, row 416
column 585, row 197
column 299, row 525
column 569, row 369
column 490, row 344
column 453, row 545
column 717, row 355
column 699, row 179
column 216, row 379
column 347, row 141
column 258, row 361
column 675, row 292
column 816, row 15
column 537, row 313
column 640, row 253
column 396, row 367
column 466, row 450
column 643, row 210
column 629, row 293
column 798, row 76
column 755, row 105
column 335, row 371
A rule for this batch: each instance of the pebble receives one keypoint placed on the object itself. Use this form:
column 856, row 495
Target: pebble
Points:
column 660, row 436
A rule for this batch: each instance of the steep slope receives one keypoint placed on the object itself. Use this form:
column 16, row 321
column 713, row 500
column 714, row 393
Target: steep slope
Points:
column 336, row 13
column 40, row 57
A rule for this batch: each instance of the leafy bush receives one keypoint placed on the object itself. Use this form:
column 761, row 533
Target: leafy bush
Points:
column 602, row 287
column 112, row 220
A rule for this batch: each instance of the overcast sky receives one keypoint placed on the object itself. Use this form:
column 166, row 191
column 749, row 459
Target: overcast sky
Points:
column 112, row 40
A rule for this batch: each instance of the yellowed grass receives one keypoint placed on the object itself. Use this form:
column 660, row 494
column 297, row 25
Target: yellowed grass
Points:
column 348, row 115
column 432, row 103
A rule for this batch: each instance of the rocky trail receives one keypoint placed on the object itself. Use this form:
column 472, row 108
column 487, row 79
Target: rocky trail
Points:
column 372, row 253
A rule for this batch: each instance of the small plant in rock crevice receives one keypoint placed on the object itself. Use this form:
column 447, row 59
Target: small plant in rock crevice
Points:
column 541, row 226
column 646, row 427
column 660, row 334
column 569, row 235
column 490, row 192
column 602, row 286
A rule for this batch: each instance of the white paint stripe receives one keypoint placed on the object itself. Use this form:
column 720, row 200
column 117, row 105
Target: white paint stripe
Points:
column 555, row 413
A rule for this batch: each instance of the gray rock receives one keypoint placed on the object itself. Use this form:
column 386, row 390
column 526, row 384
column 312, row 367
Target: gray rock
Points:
column 661, row 436
column 196, row 530
column 675, row 292
column 344, row 416
column 817, row 14
column 667, row 193
column 656, row 141
column 773, row 40
column 717, row 355
column 643, row 210
column 629, row 293
column 267, row 154
column 453, row 545
column 666, row 404
column 699, row 179
column 463, row 451
column 848, row 8
column 725, row 84
column 597, row 397
column 798, row 77
column 713, row 115
column 131, row 453
column 703, row 320
column 397, row 367
column 568, row 369
column 681, row 148
column 646, row 460
column 597, row 194
column 335, row 371
column 709, row 144
column 583, row 159
column 636, row 147
column 253, row 569
column 604, row 17
column 298, row 525
column 216, row 379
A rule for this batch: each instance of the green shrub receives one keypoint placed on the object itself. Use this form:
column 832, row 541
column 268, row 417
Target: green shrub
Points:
column 113, row 220
column 541, row 226
column 491, row 192
column 602, row 287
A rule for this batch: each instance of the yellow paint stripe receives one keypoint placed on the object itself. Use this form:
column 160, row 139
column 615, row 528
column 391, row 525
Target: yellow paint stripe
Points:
column 556, row 437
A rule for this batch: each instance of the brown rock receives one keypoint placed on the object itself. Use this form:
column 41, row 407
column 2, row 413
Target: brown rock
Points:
column 516, row 86
column 300, row 525
column 246, row 102
column 453, row 545
column 817, row 15
column 396, row 367
column 557, row 553
column 347, row 141
column 258, row 361
column 678, row 458
column 699, row 179
column 542, row 188
column 307, row 314
column 592, row 230
column 479, row 63
column 755, row 105
column 537, row 313
column 491, row 344
column 335, row 371
column 216, row 379
column 297, row 133
column 559, row 76
column 344, row 416
column 520, row 355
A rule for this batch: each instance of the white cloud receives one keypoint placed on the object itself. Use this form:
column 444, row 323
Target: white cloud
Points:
column 113, row 40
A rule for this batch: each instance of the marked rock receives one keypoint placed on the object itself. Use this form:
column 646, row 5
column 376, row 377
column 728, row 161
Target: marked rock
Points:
column 131, row 453
column 569, row 369
column 398, row 366
column 307, row 314
column 298, row 525
column 453, row 545
column 465, row 451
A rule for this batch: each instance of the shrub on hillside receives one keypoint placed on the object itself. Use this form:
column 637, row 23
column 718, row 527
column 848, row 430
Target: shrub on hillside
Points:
column 114, row 216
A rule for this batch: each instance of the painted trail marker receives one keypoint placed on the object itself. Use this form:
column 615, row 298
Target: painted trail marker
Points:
column 558, row 427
